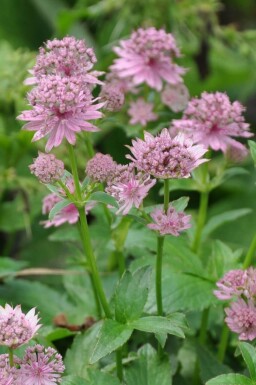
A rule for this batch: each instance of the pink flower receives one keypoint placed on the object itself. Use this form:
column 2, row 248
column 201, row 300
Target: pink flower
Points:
column 165, row 157
column 129, row 189
column 213, row 121
column 112, row 96
column 172, row 222
column 47, row 168
column 17, row 328
column 61, row 107
column 101, row 167
column 236, row 154
column 175, row 97
column 41, row 366
column 241, row 319
column 124, row 85
column 232, row 284
column 66, row 57
column 147, row 57
column 141, row 112
column 8, row 375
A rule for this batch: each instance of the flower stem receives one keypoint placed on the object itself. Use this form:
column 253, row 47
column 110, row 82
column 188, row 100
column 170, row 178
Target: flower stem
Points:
column 89, row 145
column 166, row 195
column 204, row 196
column 119, row 365
column 223, row 343
column 11, row 361
column 159, row 300
column 203, row 329
column 74, row 171
column 250, row 254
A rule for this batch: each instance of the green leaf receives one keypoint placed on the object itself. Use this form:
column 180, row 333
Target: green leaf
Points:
column 181, row 184
column 218, row 220
column 252, row 146
column 112, row 335
column 58, row 207
column 96, row 377
column 131, row 294
column 230, row 379
column 82, row 346
column 180, row 204
column 156, row 324
column 10, row 266
column 148, row 369
column 102, row 197
column 249, row 356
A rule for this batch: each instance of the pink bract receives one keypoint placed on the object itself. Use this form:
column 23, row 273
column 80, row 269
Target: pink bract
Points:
column 172, row 222
column 47, row 168
column 213, row 121
column 241, row 319
column 166, row 157
column 175, row 97
column 146, row 57
column 17, row 328
column 61, row 108
column 232, row 284
column 101, row 167
column 141, row 112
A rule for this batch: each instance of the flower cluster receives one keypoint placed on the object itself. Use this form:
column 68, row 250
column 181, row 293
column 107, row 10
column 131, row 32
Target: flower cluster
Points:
column 47, row 168
column 172, row 222
column 39, row 365
column 213, row 121
column 101, row 168
column 62, row 101
column 146, row 57
column 166, row 157
column 141, row 112
column 175, row 97
column 240, row 285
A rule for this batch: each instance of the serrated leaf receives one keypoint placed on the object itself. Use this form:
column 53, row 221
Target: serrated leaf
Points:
column 103, row 197
column 73, row 380
column 249, row 356
column 96, row 377
column 131, row 294
column 111, row 336
column 58, row 207
column 230, row 379
column 82, row 346
column 157, row 324
column 180, row 204
column 218, row 220
column 148, row 369
column 10, row 266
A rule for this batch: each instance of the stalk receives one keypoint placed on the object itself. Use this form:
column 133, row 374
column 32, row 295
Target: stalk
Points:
column 204, row 197
column 250, row 254
column 11, row 361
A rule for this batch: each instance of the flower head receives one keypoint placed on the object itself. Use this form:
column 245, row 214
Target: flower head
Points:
column 101, row 167
column 112, row 96
column 166, row 157
column 66, row 57
column 41, row 366
column 47, row 168
column 175, row 97
column 213, row 121
column 241, row 319
column 17, row 328
column 232, row 284
column 8, row 375
column 141, row 112
column 172, row 222
column 147, row 57
column 61, row 107
column 128, row 188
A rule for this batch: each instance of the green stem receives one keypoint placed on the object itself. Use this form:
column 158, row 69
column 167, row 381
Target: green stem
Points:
column 166, row 195
column 11, row 361
column 250, row 254
column 159, row 258
column 74, row 171
column 92, row 263
column 66, row 190
column 204, row 197
column 203, row 329
column 89, row 146
column 121, row 262
column 119, row 365
column 223, row 343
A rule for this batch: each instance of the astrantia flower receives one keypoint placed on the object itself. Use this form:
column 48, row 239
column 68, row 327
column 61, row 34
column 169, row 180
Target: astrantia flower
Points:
column 101, row 167
column 8, row 375
column 141, row 112
column 232, row 284
column 213, row 121
column 172, row 222
column 175, row 97
column 236, row 154
column 41, row 366
column 165, row 157
column 66, row 57
column 47, row 168
column 241, row 319
column 17, row 328
column 61, row 107
column 129, row 189
column 147, row 58
column 112, row 96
